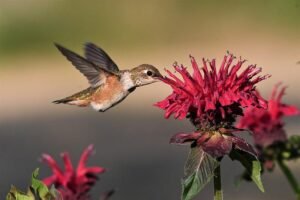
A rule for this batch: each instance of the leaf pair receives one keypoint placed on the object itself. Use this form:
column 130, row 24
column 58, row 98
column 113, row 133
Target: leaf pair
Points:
column 200, row 166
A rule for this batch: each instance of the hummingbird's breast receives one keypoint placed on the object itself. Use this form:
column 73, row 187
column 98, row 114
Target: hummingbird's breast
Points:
column 110, row 93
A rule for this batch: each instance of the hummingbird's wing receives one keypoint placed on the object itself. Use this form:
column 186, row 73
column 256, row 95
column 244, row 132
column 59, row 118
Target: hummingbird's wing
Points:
column 95, row 75
column 99, row 57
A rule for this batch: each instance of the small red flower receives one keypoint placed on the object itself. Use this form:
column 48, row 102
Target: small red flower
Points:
column 267, row 125
column 212, row 97
column 73, row 184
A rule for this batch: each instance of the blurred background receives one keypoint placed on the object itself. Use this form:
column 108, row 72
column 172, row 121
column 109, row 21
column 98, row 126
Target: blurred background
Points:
column 132, row 138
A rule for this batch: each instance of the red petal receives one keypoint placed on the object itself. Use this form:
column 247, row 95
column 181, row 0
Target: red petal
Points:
column 49, row 180
column 67, row 162
column 95, row 170
column 85, row 155
column 242, row 145
column 181, row 138
column 52, row 164
column 289, row 110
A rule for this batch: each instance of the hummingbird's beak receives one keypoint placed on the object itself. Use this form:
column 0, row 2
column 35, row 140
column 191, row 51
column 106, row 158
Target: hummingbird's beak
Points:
column 159, row 77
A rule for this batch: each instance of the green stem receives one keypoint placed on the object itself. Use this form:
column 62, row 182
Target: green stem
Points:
column 289, row 175
column 218, row 193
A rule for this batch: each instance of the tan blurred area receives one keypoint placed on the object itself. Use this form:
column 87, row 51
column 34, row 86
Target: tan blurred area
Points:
column 31, row 84
column 33, row 73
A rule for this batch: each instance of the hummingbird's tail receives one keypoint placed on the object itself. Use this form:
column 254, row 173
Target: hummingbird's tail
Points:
column 81, row 98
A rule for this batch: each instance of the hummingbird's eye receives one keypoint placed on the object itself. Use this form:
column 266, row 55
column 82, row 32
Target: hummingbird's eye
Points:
column 149, row 73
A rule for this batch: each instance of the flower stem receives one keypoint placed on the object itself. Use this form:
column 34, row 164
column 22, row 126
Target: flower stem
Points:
column 291, row 178
column 218, row 193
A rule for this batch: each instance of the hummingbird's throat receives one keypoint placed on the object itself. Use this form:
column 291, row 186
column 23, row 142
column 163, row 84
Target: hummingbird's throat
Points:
column 127, row 81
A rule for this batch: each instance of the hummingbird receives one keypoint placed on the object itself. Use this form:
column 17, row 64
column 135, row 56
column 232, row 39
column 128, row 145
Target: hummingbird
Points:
column 108, row 84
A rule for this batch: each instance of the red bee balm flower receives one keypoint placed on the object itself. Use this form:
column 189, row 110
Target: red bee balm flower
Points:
column 267, row 125
column 73, row 184
column 212, row 98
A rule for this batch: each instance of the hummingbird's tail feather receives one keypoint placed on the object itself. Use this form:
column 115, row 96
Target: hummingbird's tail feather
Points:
column 62, row 101
column 71, row 101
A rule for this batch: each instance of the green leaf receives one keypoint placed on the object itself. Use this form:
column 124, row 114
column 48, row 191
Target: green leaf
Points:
column 38, row 186
column 292, row 148
column 252, row 165
column 198, row 171
column 37, row 191
column 191, row 186
column 15, row 194
column 295, row 139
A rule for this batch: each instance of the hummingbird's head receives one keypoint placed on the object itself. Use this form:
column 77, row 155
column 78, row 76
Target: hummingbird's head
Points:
column 145, row 74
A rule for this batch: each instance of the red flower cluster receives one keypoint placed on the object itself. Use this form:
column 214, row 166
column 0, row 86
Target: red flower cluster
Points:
column 73, row 184
column 214, row 96
column 267, row 125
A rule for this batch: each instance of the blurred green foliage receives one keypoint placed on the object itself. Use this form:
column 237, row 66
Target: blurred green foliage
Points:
column 36, row 191
column 33, row 25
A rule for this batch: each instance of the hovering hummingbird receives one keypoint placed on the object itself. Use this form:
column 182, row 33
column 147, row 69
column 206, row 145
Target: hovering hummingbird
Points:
column 108, row 85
